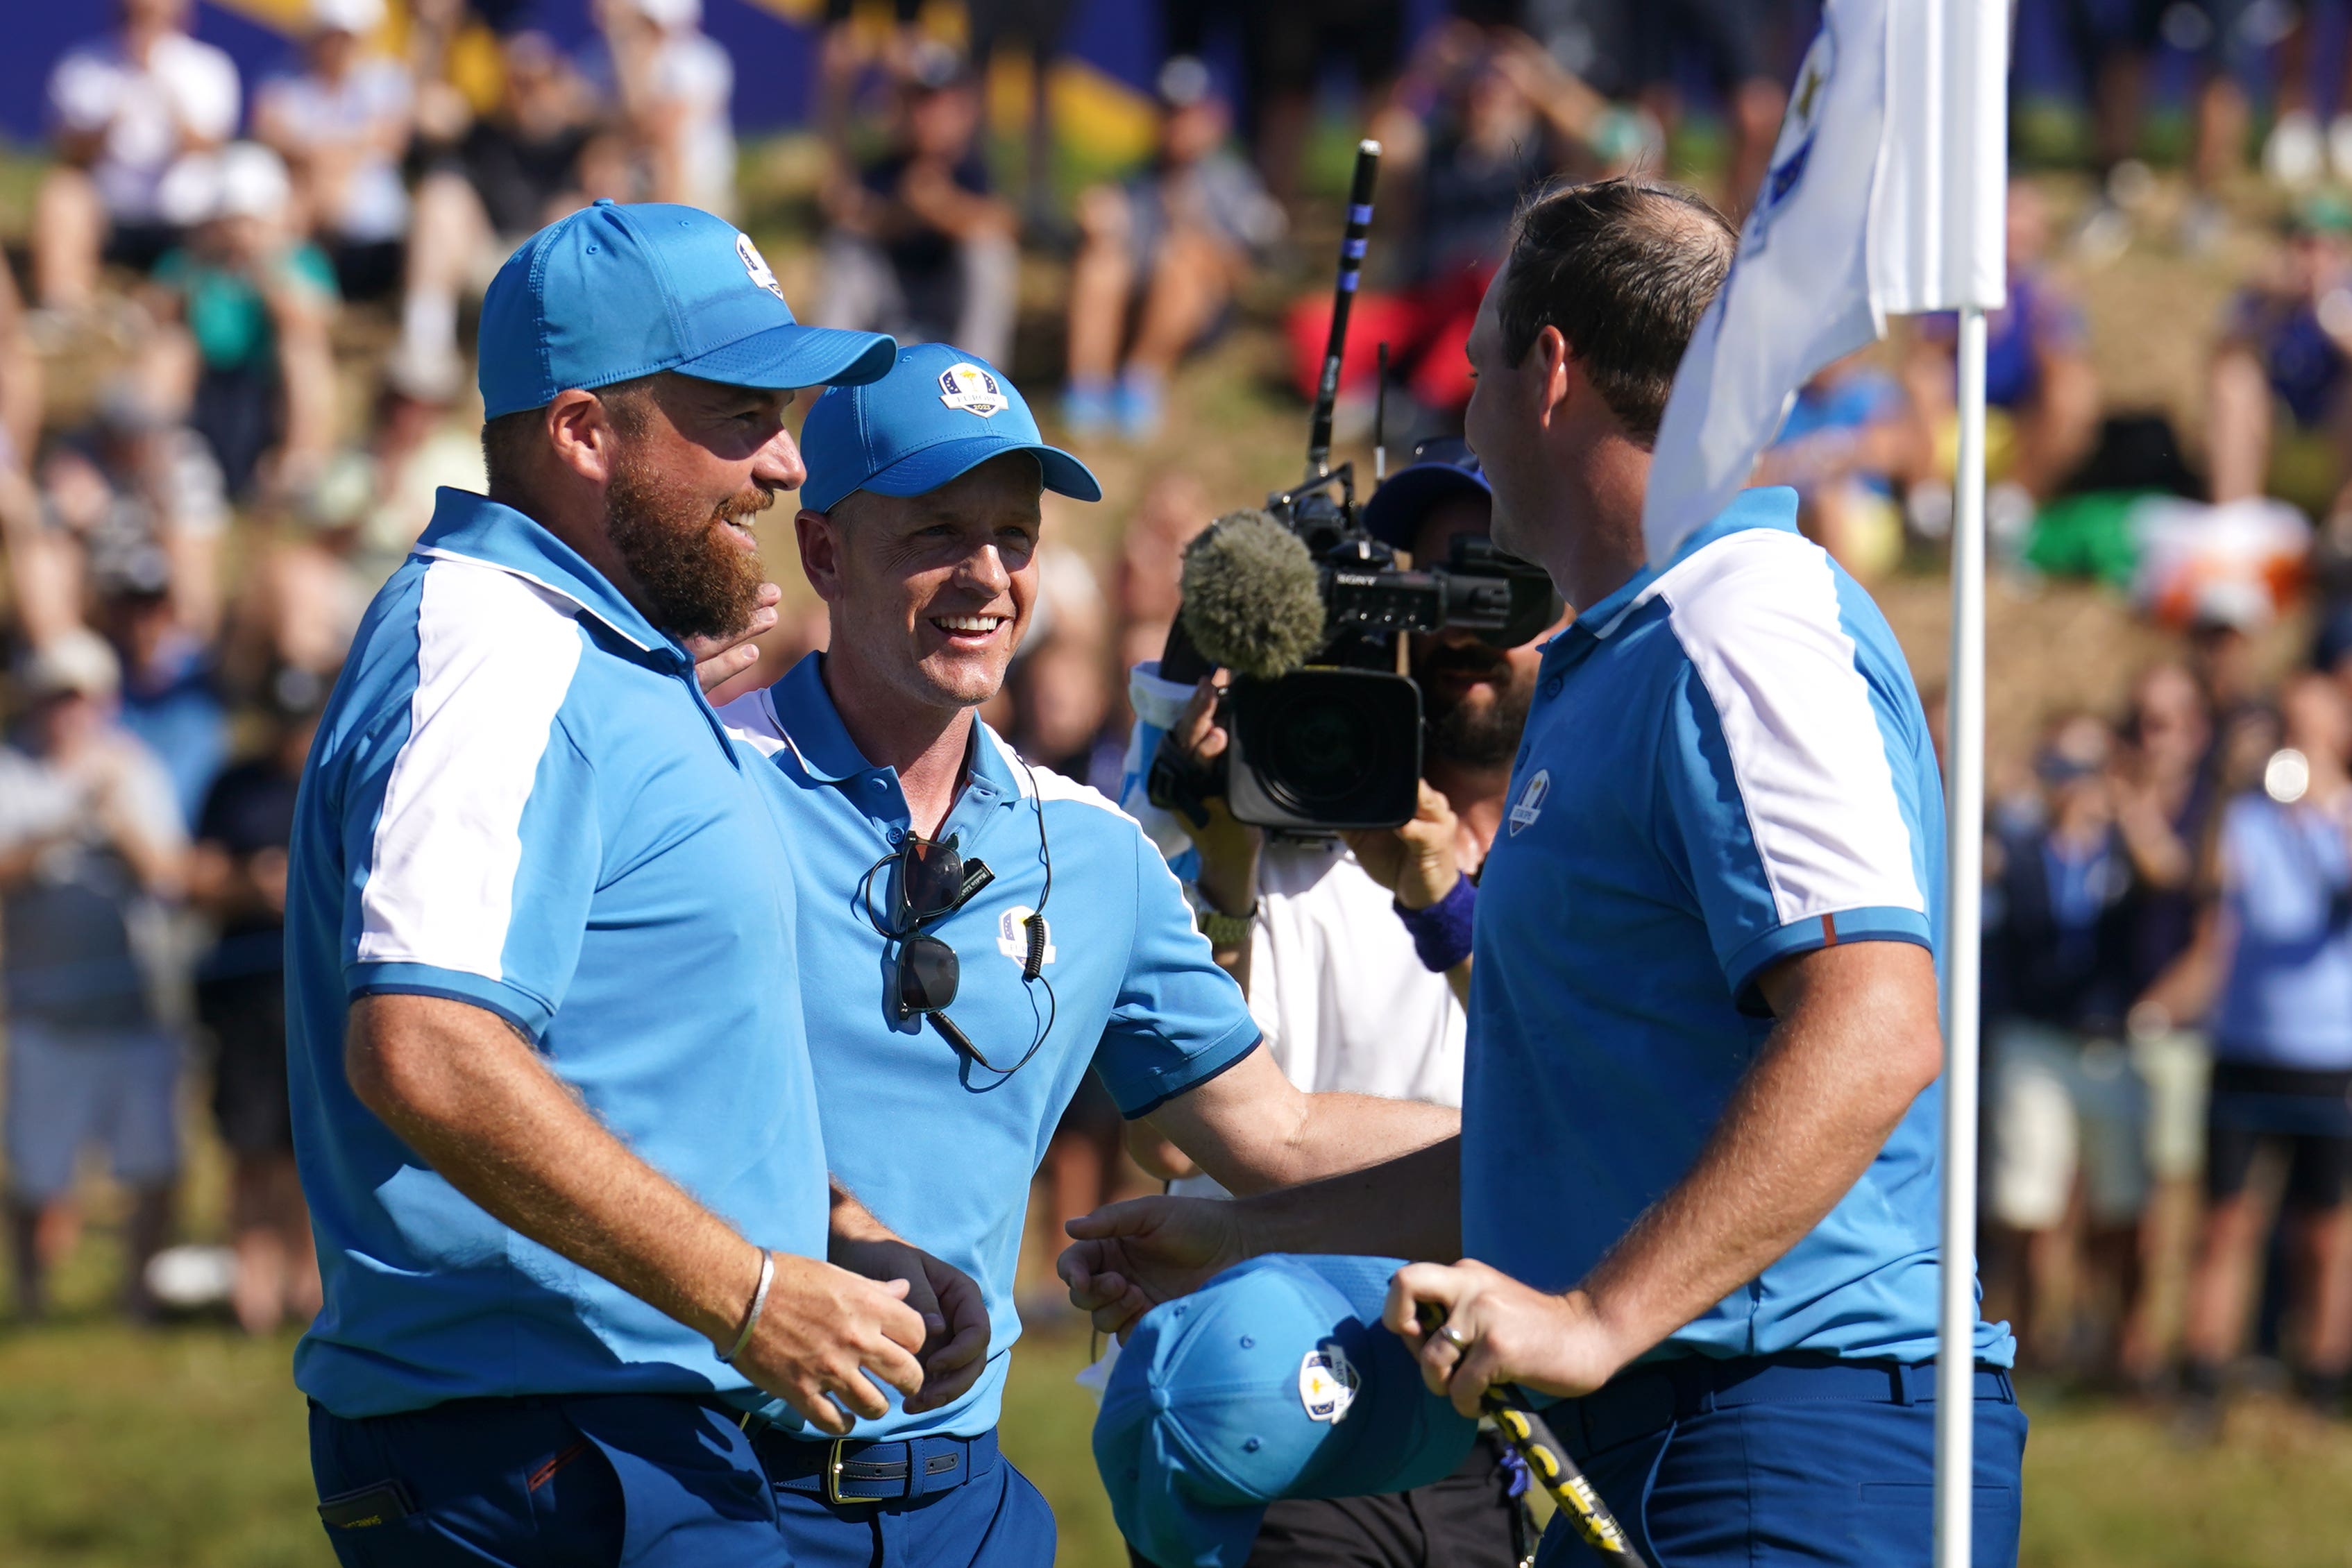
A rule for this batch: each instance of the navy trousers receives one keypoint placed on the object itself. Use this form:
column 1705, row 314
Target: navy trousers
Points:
column 995, row 1520
column 1780, row 1469
column 631, row 1482
column 647, row 1480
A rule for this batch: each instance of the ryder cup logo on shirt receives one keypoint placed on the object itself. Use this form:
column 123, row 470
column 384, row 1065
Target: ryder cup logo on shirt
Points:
column 1326, row 1384
column 757, row 266
column 1013, row 935
column 966, row 386
column 1531, row 800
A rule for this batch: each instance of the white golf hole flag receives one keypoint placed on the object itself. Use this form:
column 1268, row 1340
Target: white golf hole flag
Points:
column 1884, row 198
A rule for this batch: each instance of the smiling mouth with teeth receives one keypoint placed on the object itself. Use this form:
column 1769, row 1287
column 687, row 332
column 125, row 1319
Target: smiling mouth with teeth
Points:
column 982, row 623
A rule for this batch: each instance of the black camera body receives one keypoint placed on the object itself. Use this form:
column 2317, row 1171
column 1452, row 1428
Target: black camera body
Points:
column 1338, row 744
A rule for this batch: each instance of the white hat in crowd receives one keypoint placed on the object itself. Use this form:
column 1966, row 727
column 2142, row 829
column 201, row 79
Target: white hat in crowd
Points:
column 357, row 17
column 670, row 13
column 77, row 661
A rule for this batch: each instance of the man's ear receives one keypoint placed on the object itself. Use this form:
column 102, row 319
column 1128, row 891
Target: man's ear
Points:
column 822, row 546
column 580, row 433
column 1556, row 370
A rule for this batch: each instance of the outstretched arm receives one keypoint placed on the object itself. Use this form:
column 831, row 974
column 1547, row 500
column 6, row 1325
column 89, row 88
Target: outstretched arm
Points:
column 1254, row 1130
column 1857, row 1042
column 1127, row 1258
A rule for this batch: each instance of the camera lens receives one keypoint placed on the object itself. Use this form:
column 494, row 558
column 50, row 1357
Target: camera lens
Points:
column 1322, row 751
column 1327, row 748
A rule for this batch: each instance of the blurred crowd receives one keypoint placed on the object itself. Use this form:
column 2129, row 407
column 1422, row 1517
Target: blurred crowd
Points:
column 235, row 368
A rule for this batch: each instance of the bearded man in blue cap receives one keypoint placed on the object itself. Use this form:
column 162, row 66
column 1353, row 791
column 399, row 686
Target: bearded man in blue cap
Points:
column 988, row 932
column 552, row 1101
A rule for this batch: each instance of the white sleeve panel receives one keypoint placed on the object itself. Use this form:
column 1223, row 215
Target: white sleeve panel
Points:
column 495, row 659
column 1757, row 616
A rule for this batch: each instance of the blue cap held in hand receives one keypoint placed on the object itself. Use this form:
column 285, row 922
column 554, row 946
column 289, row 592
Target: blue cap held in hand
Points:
column 615, row 292
column 1274, row 1380
column 938, row 414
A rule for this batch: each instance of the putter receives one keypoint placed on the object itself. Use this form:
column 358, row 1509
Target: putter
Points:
column 1547, row 1460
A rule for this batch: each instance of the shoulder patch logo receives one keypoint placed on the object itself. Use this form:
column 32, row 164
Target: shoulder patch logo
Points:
column 1531, row 803
column 1013, row 935
column 966, row 386
column 757, row 264
column 1327, row 1383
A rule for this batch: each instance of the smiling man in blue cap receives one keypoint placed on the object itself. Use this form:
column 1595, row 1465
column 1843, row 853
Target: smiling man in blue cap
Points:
column 552, row 1101
column 986, row 933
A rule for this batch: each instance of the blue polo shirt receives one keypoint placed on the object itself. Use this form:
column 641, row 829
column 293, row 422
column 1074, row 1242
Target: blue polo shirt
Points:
column 939, row 1147
column 1726, row 763
column 519, row 800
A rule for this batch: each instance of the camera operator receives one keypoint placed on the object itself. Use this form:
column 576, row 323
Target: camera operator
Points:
column 1355, row 958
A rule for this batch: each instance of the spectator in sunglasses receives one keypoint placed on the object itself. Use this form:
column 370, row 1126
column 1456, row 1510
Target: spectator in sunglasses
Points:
column 974, row 934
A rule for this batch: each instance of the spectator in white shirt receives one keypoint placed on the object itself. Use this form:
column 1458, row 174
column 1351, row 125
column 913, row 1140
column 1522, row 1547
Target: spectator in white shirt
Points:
column 1354, row 954
column 130, row 110
column 1342, row 959
column 341, row 123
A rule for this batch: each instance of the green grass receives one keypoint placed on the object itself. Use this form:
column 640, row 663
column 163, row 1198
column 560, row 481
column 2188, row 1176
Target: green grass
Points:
column 122, row 1450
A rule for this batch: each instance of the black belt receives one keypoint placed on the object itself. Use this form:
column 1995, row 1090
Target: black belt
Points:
column 1645, row 1399
column 843, row 1469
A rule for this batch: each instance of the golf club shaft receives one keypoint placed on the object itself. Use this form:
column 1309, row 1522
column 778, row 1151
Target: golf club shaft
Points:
column 1546, row 1459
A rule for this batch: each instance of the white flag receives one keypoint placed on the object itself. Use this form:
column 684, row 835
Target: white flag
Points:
column 1884, row 196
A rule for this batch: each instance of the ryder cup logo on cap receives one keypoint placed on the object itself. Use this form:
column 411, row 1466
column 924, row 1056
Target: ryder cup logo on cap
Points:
column 757, row 266
column 1530, row 802
column 615, row 292
column 937, row 415
column 966, row 386
column 1327, row 1383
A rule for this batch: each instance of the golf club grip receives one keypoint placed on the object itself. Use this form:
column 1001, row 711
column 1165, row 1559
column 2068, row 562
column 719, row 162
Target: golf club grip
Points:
column 1547, row 1460
column 1560, row 1479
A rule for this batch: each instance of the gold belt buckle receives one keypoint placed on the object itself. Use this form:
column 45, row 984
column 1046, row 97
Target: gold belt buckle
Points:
column 832, row 1462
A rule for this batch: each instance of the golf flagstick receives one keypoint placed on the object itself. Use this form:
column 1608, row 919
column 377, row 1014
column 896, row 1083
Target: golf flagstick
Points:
column 1547, row 1460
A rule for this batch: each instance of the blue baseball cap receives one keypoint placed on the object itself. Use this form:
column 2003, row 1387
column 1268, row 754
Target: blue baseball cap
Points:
column 1274, row 1380
column 938, row 413
column 616, row 292
column 1439, row 469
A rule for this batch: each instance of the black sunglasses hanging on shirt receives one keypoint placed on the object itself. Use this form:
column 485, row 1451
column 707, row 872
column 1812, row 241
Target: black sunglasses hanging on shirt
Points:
column 929, row 880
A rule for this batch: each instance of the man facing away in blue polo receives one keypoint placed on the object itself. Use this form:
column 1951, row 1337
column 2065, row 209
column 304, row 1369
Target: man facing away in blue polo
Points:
column 958, row 1008
column 1698, row 1161
column 553, row 1102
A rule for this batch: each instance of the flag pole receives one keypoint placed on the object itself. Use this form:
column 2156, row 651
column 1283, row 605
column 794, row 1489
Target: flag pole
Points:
column 1963, row 795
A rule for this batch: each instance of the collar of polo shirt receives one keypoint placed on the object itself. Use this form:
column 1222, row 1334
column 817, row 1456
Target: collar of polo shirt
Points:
column 471, row 527
column 811, row 725
column 1771, row 506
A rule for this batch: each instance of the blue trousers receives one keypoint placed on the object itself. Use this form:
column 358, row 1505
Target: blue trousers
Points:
column 1777, row 1479
column 631, row 1482
column 996, row 1520
column 646, row 1480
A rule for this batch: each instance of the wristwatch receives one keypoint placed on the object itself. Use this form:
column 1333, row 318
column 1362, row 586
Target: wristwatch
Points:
column 1228, row 930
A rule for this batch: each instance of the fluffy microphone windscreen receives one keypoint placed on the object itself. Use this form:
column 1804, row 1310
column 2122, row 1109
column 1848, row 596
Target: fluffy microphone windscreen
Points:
column 1252, row 602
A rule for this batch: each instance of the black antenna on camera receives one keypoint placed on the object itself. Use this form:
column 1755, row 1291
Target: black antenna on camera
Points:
column 1343, row 298
column 1381, row 418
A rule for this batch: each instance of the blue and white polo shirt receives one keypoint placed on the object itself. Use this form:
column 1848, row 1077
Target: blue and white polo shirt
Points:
column 939, row 1147
column 1726, row 763
column 519, row 800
